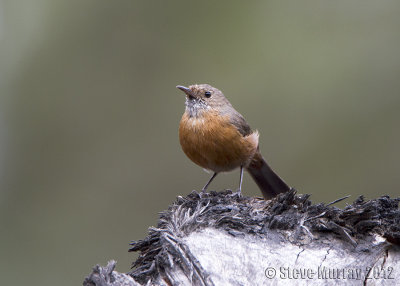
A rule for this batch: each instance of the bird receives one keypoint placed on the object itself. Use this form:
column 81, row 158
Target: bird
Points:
column 217, row 138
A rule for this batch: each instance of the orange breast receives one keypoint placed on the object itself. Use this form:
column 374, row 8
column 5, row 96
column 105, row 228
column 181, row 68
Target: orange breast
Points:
column 213, row 143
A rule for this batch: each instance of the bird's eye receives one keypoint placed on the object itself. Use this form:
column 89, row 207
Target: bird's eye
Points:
column 207, row 94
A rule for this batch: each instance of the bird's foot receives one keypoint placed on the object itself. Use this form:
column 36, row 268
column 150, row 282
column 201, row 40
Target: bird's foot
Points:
column 238, row 193
column 203, row 193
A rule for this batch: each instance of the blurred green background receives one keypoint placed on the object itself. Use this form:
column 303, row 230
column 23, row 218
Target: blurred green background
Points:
column 89, row 113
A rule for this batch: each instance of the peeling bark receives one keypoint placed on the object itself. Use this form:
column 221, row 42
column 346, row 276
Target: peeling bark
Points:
column 222, row 239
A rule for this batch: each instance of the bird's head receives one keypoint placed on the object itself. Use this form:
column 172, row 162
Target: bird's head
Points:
column 202, row 97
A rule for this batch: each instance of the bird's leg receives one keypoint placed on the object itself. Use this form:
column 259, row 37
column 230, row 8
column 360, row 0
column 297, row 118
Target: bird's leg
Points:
column 240, row 181
column 209, row 181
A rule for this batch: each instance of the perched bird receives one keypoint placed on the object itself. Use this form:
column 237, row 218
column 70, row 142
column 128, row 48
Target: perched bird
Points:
column 217, row 137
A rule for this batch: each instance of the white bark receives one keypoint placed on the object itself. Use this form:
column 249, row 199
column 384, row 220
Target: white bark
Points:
column 220, row 239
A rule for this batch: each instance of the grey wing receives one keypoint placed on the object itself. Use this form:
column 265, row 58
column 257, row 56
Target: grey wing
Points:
column 240, row 123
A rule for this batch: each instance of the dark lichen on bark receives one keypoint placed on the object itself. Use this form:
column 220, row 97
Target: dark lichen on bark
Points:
column 289, row 218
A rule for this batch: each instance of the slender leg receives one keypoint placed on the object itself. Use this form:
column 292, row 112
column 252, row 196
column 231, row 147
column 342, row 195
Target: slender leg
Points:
column 209, row 181
column 240, row 181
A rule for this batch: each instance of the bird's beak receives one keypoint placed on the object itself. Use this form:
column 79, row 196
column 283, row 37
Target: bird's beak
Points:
column 185, row 89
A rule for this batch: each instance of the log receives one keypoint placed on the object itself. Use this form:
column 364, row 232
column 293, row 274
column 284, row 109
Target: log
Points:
column 220, row 238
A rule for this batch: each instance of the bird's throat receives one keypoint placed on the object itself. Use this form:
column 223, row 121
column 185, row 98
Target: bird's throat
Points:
column 196, row 107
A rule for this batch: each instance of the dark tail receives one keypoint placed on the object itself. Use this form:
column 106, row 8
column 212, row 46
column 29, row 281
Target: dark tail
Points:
column 269, row 183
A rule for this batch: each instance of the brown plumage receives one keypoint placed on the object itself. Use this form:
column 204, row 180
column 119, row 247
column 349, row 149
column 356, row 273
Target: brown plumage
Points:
column 216, row 137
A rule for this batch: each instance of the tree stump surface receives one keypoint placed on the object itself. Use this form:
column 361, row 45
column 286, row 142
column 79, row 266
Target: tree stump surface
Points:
column 219, row 238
